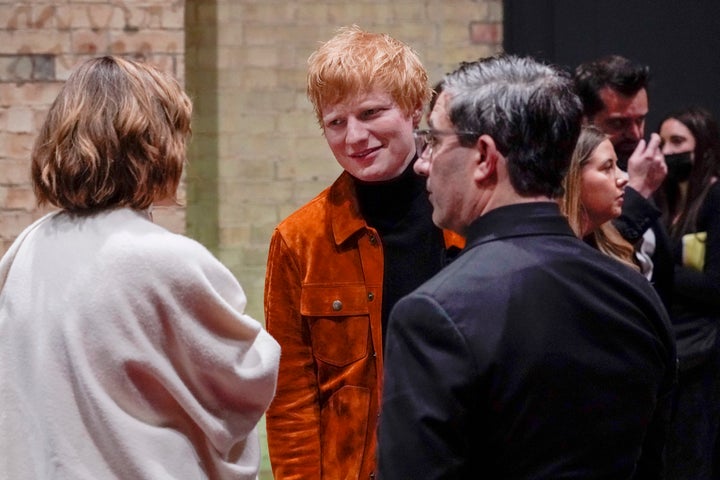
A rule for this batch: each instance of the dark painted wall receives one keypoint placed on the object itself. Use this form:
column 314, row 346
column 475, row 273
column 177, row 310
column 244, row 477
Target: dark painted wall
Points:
column 679, row 40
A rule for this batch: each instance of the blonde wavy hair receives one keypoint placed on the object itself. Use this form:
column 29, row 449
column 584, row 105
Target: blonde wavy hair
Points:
column 355, row 61
column 606, row 236
column 115, row 136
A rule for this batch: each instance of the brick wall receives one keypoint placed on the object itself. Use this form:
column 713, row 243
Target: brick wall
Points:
column 40, row 42
column 256, row 152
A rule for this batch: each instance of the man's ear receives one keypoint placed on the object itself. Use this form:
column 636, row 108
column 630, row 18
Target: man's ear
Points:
column 417, row 116
column 487, row 158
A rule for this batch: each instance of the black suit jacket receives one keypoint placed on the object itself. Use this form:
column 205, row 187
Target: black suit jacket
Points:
column 532, row 355
column 638, row 215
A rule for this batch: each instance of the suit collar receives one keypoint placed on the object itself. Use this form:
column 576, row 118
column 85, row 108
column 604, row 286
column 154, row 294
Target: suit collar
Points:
column 346, row 220
column 518, row 220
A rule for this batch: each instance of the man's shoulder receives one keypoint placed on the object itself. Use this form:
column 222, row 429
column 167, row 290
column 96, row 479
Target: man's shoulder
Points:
column 539, row 285
column 473, row 270
column 489, row 266
column 333, row 214
column 307, row 219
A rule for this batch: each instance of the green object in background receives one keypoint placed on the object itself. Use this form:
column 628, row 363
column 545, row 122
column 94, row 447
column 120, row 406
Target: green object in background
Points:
column 265, row 470
column 694, row 250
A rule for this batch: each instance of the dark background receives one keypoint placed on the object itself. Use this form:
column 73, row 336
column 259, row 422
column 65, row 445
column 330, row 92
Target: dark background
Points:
column 679, row 40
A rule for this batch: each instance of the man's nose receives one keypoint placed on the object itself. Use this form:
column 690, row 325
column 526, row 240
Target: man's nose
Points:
column 422, row 164
column 356, row 130
column 637, row 130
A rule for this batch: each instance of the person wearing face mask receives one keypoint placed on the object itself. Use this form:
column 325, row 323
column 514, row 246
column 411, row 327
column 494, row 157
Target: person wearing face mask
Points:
column 690, row 203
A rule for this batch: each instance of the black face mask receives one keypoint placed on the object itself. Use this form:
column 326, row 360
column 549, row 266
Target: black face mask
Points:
column 679, row 166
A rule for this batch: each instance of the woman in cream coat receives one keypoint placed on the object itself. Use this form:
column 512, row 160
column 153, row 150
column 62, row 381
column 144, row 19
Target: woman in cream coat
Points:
column 124, row 349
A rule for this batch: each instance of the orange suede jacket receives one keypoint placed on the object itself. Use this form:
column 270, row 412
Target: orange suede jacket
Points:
column 323, row 298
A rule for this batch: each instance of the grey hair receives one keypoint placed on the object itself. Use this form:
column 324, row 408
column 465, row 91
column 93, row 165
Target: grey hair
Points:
column 529, row 109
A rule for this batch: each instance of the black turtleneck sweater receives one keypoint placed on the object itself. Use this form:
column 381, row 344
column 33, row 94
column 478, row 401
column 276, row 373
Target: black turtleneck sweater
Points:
column 413, row 246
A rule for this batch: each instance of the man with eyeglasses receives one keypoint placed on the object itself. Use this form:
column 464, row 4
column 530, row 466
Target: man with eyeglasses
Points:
column 532, row 355
column 338, row 264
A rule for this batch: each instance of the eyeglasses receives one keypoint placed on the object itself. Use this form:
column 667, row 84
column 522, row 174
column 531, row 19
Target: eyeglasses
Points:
column 428, row 138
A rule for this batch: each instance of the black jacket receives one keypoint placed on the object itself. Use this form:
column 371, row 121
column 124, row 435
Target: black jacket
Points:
column 532, row 355
column 638, row 215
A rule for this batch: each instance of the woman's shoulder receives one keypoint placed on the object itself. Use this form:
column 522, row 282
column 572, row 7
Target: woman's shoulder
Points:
column 715, row 186
column 712, row 198
column 137, row 244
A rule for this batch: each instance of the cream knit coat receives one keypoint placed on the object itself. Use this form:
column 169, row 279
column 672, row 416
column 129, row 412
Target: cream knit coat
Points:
column 125, row 353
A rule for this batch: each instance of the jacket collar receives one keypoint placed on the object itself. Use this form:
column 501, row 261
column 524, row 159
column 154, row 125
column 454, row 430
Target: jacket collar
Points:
column 346, row 220
column 345, row 217
column 518, row 220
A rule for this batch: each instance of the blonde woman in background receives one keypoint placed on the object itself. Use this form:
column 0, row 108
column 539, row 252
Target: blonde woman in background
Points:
column 594, row 191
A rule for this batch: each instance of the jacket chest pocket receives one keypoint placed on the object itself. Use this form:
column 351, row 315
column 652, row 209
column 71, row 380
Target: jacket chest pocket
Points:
column 339, row 322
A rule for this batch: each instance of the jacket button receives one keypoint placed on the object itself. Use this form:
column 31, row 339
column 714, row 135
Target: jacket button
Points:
column 337, row 305
column 371, row 296
column 373, row 239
